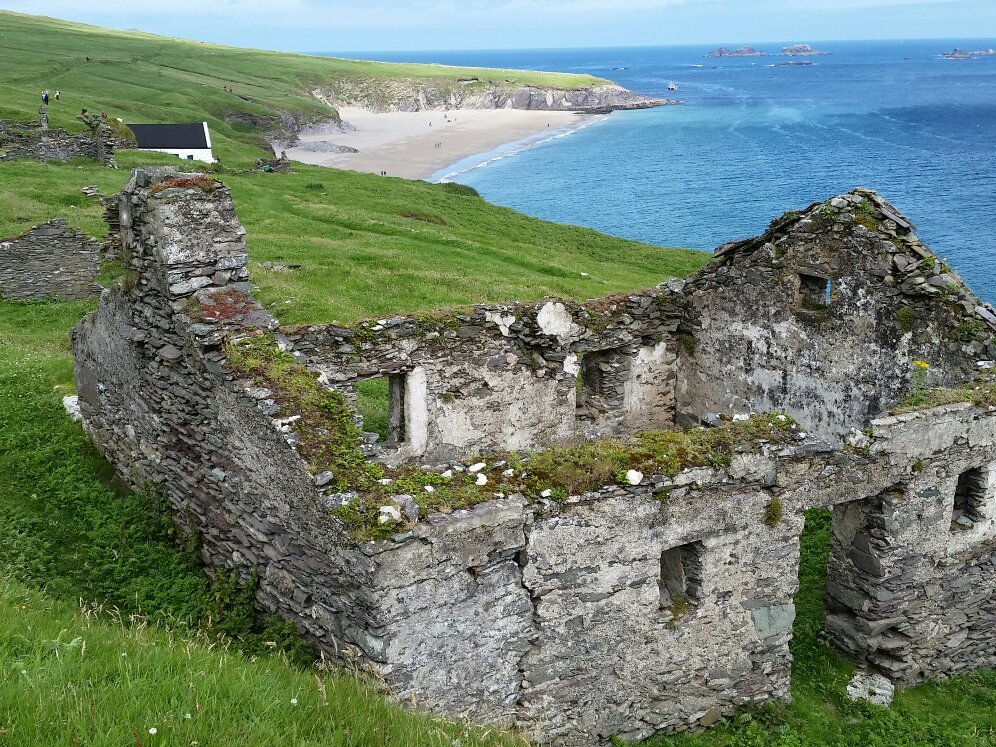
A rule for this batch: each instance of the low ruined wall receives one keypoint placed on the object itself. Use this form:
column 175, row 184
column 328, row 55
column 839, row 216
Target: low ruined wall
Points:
column 49, row 145
column 631, row 610
column 19, row 142
column 49, row 261
column 512, row 377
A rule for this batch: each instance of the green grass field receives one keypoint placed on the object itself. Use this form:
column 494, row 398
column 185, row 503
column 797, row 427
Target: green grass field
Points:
column 359, row 254
column 145, row 78
column 180, row 643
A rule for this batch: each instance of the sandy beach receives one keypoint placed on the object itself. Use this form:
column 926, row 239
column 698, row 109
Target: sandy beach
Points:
column 415, row 145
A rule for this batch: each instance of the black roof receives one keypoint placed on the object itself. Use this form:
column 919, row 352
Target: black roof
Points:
column 170, row 135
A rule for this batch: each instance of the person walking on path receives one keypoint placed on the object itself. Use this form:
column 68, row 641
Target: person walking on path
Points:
column 45, row 97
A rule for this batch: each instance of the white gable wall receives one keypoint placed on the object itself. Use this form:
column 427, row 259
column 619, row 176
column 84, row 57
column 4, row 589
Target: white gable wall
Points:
column 190, row 154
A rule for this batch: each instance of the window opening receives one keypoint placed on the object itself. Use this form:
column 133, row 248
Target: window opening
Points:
column 381, row 404
column 598, row 376
column 814, row 292
column 681, row 577
column 970, row 499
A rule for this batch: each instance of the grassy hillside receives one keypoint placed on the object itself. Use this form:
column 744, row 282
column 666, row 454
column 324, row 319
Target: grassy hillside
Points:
column 146, row 78
column 367, row 246
column 71, row 678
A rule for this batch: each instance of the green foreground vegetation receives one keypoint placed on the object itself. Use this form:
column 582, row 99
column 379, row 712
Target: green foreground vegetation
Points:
column 356, row 253
column 155, row 639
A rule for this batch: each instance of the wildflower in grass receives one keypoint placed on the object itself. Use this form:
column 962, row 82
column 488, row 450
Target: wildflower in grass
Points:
column 920, row 369
column 294, row 701
column 186, row 715
column 153, row 730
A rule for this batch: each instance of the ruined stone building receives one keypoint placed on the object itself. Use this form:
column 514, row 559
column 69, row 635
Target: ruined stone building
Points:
column 51, row 260
column 655, row 602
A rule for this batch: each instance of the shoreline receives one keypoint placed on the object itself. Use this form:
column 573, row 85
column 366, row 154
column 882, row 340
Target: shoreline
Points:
column 451, row 171
column 422, row 145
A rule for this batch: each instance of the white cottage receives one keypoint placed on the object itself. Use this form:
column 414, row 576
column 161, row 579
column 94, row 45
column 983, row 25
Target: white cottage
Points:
column 190, row 141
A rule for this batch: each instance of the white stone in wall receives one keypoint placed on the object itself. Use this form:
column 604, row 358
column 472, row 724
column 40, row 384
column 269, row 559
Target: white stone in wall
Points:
column 555, row 320
column 502, row 321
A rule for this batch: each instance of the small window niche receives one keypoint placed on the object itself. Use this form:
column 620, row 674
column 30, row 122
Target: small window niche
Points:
column 681, row 578
column 599, row 376
column 381, row 403
column 970, row 500
column 814, row 292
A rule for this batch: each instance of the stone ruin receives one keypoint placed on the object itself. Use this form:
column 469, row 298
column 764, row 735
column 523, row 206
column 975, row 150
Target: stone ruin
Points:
column 35, row 141
column 656, row 603
column 49, row 261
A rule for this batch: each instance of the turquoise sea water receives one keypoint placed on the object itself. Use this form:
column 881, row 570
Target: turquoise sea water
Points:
column 754, row 139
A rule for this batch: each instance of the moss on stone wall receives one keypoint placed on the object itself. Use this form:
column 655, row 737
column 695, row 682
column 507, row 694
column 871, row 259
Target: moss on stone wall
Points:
column 981, row 393
column 329, row 440
column 559, row 472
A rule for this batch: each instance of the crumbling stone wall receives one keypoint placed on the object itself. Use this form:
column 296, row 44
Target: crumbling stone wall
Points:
column 638, row 608
column 49, row 261
column 517, row 376
column 822, row 317
column 17, row 142
column 912, row 578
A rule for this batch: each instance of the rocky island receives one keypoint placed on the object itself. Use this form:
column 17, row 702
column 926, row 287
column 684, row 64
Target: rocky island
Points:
column 960, row 54
column 744, row 51
column 801, row 50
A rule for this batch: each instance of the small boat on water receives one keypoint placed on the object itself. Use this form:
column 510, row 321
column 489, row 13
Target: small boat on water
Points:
column 672, row 86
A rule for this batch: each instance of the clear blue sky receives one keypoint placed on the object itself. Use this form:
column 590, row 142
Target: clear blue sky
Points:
column 349, row 25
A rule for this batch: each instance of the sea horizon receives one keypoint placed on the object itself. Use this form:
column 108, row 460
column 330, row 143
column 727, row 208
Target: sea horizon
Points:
column 754, row 139
column 394, row 53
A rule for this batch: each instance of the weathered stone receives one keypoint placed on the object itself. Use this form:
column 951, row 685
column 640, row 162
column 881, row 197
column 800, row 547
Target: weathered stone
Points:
column 668, row 600
column 49, row 261
column 870, row 687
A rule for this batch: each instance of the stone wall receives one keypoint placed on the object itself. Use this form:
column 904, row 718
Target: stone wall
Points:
column 517, row 376
column 18, row 143
column 912, row 575
column 635, row 609
column 822, row 317
column 49, row 261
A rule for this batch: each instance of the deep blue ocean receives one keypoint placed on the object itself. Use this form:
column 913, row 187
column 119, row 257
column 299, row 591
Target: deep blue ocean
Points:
column 753, row 140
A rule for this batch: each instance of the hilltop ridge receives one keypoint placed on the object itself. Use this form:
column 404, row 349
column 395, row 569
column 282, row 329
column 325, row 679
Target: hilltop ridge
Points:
column 271, row 95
